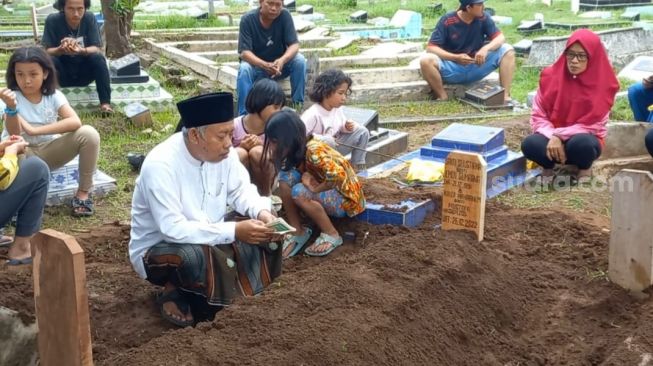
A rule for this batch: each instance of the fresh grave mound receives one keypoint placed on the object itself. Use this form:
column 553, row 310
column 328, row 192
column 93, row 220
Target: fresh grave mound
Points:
column 385, row 191
column 533, row 293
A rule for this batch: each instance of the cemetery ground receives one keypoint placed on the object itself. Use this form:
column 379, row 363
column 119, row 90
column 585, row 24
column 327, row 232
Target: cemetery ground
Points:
column 534, row 292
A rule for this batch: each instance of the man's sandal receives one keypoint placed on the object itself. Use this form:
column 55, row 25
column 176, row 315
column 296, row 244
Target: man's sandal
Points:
column 299, row 241
column 183, row 306
column 333, row 242
column 83, row 207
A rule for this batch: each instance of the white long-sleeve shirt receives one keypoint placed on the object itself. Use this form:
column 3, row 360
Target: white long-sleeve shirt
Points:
column 179, row 199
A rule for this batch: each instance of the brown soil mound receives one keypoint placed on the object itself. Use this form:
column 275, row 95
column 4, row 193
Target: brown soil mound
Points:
column 531, row 294
column 385, row 191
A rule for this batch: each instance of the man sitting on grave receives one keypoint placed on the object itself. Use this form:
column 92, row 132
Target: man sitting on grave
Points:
column 73, row 40
column 457, row 52
column 179, row 237
column 268, row 47
column 572, row 107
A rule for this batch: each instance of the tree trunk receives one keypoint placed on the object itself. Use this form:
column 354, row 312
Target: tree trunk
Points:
column 117, row 31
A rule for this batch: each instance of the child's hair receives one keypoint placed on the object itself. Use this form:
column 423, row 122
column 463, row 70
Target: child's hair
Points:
column 36, row 55
column 264, row 92
column 61, row 4
column 288, row 132
column 327, row 83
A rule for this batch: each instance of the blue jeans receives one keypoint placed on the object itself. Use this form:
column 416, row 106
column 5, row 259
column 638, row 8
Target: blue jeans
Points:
column 455, row 73
column 26, row 196
column 248, row 74
column 639, row 99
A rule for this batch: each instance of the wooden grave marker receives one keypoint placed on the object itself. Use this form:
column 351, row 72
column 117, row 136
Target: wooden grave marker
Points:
column 61, row 300
column 463, row 201
column 630, row 260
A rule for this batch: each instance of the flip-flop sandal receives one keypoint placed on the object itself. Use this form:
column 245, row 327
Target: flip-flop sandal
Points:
column 333, row 241
column 183, row 306
column 6, row 240
column 19, row 262
column 299, row 241
column 86, row 206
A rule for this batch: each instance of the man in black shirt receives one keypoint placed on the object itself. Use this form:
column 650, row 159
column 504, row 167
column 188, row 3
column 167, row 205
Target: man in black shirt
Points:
column 73, row 40
column 268, row 47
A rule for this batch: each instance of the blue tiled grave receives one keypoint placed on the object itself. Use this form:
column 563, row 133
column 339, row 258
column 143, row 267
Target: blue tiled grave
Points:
column 505, row 169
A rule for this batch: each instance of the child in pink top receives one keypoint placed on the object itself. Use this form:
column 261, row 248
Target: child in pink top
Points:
column 265, row 98
column 326, row 121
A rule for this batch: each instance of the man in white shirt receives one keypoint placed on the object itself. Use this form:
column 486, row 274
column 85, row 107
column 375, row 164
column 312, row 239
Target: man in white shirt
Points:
column 179, row 239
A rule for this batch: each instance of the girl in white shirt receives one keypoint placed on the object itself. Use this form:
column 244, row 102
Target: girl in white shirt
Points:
column 35, row 109
column 326, row 121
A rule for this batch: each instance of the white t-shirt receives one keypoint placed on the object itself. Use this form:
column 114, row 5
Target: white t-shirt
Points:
column 319, row 121
column 43, row 113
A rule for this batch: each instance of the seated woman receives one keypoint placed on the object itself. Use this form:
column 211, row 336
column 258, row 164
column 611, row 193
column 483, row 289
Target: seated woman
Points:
column 40, row 113
column 313, row 178
column 572, row 107
column 265, row 98
column 23, row 190
column 640, row 96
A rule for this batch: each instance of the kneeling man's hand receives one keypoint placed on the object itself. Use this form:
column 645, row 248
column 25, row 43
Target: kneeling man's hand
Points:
column 253, row 231
column 481, row 56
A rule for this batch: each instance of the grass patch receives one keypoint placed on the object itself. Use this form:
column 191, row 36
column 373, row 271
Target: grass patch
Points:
column 414, row 109
column 177, row 21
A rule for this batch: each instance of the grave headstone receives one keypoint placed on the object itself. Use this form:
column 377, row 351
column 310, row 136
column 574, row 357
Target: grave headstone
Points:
column 630, row 261
column 638, row 69
column 290, row 5
column 363, row 116
column 546, row 2
column 575, row 6
column 523, row 47
column 359, row 16
column 463, row 200
column 61, row 300
column 632, row 16
column 529, row 25
column 305, row 9
column 139, row 114
column 127, row 65
column 486, row 94
column 435, row 8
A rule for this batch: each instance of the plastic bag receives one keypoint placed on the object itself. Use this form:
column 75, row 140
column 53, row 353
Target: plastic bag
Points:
column 425, row 171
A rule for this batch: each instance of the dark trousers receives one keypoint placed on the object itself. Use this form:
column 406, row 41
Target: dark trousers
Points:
column 648, row 140
column 581, row 150
column 81, row 73
column 26, row 196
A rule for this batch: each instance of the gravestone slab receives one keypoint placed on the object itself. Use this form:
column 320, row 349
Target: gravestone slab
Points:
column 379, row 21
column 630, row 261
column 641, row 67
column 529, row 26
column 486, row 94
column 596, row 15
column 363, row 116
column 359, row 16
column 463, row 199
column 61, row 300
column 305, row 9
column 290, row 5
column 634, row 17
column 523, row 47
column 389, row 49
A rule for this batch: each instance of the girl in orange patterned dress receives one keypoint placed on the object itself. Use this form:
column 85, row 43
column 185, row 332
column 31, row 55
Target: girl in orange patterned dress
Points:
column 313, row 178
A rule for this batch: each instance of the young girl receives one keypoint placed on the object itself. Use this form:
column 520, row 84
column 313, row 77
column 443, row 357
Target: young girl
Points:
column 326, row 120
column 313, row 178
column 35, row 109
column 265, row 98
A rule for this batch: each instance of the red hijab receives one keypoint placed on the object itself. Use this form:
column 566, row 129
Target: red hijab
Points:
column 584, row 98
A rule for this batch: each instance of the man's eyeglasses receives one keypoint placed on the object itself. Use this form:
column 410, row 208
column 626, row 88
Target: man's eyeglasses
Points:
column 581, row 57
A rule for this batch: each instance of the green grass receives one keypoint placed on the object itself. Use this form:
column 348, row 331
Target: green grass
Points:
column 176, row 21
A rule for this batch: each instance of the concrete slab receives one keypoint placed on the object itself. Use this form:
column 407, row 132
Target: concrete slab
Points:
column 596, row 15
column 393, row 48
column 341, row 43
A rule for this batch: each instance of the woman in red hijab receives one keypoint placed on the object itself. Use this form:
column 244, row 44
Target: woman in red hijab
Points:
column 572, row 107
